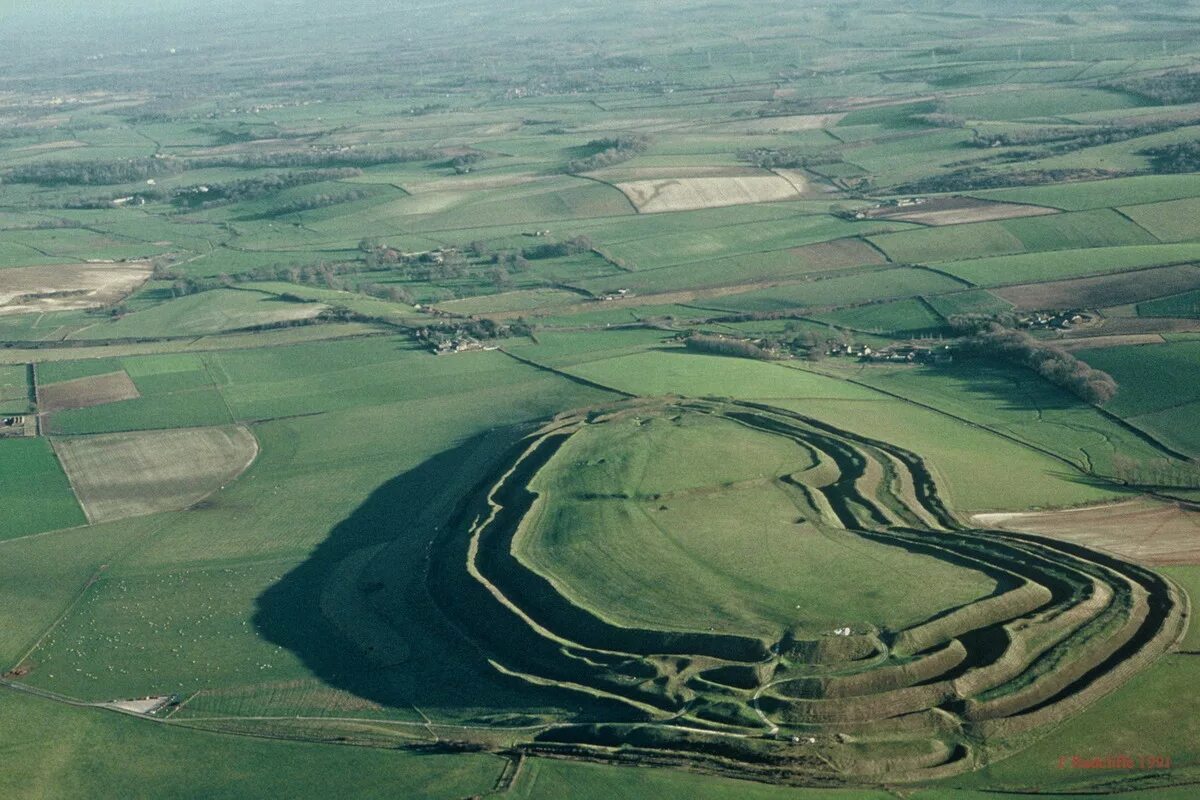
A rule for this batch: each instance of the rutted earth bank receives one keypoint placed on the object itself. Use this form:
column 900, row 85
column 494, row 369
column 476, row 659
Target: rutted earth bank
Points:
column 962, row 685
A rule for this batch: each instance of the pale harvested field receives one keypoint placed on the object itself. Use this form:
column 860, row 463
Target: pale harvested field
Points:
column 792, row 124
column 120, row 475
column 960, row 210
column 470, row 183
column 68, row 287
column 1104, row 290
column 686, row 194
column 95, row 390
column 1151, row 532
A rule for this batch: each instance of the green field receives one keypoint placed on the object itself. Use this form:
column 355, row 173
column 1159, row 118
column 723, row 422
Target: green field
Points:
column 1103, row 194
column 1038, row 267
column 716, row 522
column 14, row 389
column 1083, row 230
column 102, row 753
column 1176, row 305
column 903, row 317
column 370, row 425
column 851, row 289
column 1158, row 389
column 210, row 312
column 1170, row 221
column 37, row 496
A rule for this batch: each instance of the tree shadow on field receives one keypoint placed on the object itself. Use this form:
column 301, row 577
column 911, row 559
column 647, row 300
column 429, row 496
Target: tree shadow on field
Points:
column 438, row 669
column 1015, row 388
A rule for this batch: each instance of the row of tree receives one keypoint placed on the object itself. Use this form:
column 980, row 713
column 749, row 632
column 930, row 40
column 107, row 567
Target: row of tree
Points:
column 244, row 189
column 94, row 173
column 567, row 247
column 609, row 151
column 323, row 200
column 1052, row 363
column 1066, row 140
column 969, row 179
column 788, row 158
column 720, row 345
column 139, row 170
column 1171, row 88
column 1182, row 157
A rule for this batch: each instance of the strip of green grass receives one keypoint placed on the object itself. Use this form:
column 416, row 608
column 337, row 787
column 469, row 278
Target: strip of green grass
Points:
column 36, row 495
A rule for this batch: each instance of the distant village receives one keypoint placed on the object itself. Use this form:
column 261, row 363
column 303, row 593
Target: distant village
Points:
column 898, row 353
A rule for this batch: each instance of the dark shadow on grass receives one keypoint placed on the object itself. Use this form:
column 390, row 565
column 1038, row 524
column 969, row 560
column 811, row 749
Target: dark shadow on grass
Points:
column 442, row 670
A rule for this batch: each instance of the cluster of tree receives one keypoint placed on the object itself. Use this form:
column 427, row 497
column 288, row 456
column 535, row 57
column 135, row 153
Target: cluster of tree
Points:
column 757, row 316
column 975, row 178
column 243, row 189
column 1171, row 88
column 324, row 274
column 463, row 162
column 94, row 173
column 383, row 291
column 720, row 345
column 1052, row 363
column 941, row 119
column 316, row 201
column 139, row 170
column 567, row 247
column 1021, row 137
column 1182, row 157
column 1066, row 140
column 788, row 158
column 609, row 151
column 475, row 329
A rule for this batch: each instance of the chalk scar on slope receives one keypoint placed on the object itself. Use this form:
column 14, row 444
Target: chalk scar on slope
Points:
column 66, row 287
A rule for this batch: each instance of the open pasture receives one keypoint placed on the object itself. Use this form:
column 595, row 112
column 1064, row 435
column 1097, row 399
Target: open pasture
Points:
column 1001, row 398
column 898, row 318
column 15, row 393
column 846, row 290
column 970, row 301
column 174, row 391
column 1057, row 265
column 37, row 495
column 122, row 475
column 676, row 371
column 1186, row 304
column 65, row 287
column 1035, row 103
column 722, row 526
column 1084, row 195
column 1102, row 228
column 214, row 311
column 521, row 300
column 665, row 587
column 1169, row 221
column 745, row 270
column 1152, row 378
